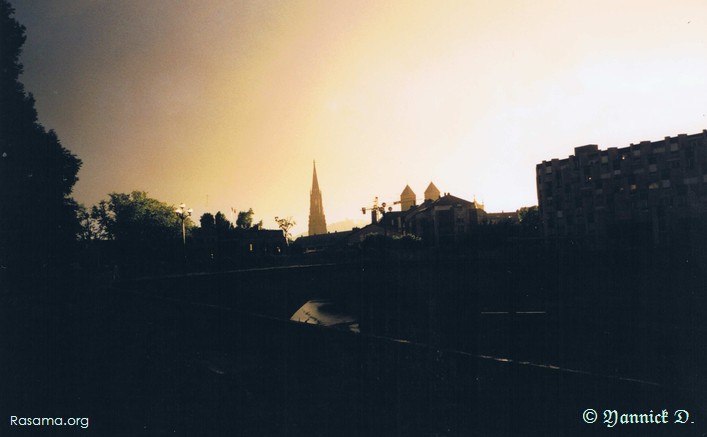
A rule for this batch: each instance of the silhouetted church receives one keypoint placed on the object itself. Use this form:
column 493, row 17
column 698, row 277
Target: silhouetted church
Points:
column 439, row 219
column 317, row 221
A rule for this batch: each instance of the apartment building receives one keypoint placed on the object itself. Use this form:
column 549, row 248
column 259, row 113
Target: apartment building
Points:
column 651, row 189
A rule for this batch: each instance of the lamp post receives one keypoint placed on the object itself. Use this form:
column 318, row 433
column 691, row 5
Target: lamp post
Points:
column 183, row 213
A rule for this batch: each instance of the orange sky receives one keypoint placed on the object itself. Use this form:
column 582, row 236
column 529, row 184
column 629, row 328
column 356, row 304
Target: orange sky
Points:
column 231, row 101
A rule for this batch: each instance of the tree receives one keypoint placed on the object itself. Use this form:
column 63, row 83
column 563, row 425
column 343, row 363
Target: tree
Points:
column 147, row 231
column 100, row 216
column 207, row 221
column 529, row 218
column 38, row 217
column 286, row 224
column 87, row 230
column 222, row 223
column 137, row 216
column 245, row 219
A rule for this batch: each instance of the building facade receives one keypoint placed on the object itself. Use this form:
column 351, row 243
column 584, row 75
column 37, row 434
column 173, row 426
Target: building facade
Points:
column 444, row 221
column 648, row 188
column 317, row 221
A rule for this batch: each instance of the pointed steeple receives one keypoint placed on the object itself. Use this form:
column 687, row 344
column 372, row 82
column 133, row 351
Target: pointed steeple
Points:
column 432, row 192
column 317, row 221
column 315, row 182
column 407, row 198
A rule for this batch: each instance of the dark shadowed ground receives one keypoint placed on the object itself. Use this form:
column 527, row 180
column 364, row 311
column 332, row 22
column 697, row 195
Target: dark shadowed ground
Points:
column 156, row 358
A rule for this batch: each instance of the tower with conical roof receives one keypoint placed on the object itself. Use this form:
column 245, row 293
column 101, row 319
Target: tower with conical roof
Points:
column 317, row 221
column 432, row 192
column 407, row 199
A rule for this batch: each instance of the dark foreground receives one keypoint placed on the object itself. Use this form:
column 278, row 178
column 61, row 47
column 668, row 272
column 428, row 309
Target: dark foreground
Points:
column 146, row 366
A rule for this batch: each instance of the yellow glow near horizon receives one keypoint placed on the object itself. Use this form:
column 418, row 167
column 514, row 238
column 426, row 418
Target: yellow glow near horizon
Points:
column 234, row 100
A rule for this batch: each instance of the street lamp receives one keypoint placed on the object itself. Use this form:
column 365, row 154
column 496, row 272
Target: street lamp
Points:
column 182, row 212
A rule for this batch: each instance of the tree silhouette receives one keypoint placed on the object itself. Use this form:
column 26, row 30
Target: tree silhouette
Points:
column 87, row 230
column 207, row 221
column 222, row 223
column 286, row 224
column 529, row 218
column 147, row 231
column 38, row 217
column 245, row 219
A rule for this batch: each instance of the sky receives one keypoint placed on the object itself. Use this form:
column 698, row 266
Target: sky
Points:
column 226, row 104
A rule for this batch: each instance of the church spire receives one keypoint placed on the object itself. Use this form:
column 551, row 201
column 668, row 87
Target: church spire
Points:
column 317, row 221
column 315, row 182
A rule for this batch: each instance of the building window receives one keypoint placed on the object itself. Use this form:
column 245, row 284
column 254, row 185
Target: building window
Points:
column 666, row 183
column 674, row 147
column 653, row 186
column 690, row 181
column 652, row 168
column 548, row 170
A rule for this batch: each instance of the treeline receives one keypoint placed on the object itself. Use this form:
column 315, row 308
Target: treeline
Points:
column 38, row 223
column 136, row 235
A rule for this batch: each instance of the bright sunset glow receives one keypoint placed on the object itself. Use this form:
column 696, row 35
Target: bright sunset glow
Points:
column 229, row 102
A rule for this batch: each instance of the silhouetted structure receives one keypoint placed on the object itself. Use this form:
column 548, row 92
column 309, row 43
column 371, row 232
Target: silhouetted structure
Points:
column 231, row 246
column 495, row 218
column 407, row 199
column 439, row 220
column 317, row 221
column 324, row 242
column 651, row 190
column 445, row 220
column 432, row 192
